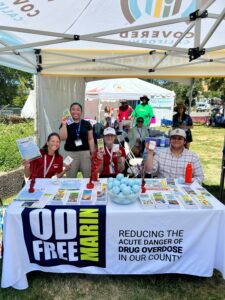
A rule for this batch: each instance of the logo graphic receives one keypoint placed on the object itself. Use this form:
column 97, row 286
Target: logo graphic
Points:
column 57, row 235
column 117, row 87
column 133, row 10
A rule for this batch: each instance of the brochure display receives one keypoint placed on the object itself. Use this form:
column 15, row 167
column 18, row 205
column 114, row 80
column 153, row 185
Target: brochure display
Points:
column 104, row 233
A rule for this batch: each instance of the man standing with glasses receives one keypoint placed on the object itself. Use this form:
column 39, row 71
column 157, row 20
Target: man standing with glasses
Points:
column 171, row 162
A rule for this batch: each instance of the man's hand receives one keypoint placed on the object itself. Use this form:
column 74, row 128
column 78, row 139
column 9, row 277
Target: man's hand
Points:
column 150, row 147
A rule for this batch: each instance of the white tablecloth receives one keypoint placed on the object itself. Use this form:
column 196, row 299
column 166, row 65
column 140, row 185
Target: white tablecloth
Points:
column 133, row 240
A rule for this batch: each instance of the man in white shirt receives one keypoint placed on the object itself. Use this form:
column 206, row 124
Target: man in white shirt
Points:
column 171, row 162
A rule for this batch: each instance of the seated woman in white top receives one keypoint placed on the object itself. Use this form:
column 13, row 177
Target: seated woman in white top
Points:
column 136, row 136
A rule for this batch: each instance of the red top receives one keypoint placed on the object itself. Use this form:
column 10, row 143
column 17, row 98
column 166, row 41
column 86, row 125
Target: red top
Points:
column 106, row 162
column 37, row 166
column 124, row 114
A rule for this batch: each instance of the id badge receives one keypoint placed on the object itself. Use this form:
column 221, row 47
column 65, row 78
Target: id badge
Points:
column 78, row 143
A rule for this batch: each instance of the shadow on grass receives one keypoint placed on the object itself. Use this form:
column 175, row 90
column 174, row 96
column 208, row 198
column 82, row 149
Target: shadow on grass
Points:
column 215, row 191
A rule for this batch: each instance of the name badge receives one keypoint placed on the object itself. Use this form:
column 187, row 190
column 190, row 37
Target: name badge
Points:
column 78, row 143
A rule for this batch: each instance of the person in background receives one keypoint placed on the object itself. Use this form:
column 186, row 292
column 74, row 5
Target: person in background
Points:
column 49, row 164
column 171, row 162
column 125, row 111
column 109, row 116
column 143, row 110
column 136, row 136
column 124, row 116
column 112, row 161
column 79, row 142
column 183, row 121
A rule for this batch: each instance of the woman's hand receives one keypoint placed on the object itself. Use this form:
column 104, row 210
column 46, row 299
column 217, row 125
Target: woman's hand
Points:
column 68, row 167
column 64, row 120
column 119, row 154
column 100, row 154
column 26, row 164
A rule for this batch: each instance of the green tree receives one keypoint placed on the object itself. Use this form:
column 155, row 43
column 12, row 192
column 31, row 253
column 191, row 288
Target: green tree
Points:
column 181, row 90
column 216, row 87
column 14, row 86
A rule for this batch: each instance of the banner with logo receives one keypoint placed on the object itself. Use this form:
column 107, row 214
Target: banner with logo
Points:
column 126, row 239
column 57, row 235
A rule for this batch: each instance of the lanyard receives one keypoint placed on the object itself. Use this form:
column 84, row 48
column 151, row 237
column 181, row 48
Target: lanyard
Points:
column 111, row 163
column 45, row 164
column 140, row 133
column 78, row 131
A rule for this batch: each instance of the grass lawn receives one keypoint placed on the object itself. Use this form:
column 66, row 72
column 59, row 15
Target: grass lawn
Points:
column 207, row 144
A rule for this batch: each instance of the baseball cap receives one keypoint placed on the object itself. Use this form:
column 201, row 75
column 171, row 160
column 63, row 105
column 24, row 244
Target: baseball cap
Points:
column 109, row 130
column 179, row 132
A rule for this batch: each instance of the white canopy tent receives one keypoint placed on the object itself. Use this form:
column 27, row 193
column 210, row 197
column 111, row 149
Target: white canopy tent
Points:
column 113, row 90
column 29, row 108
column 127, row 38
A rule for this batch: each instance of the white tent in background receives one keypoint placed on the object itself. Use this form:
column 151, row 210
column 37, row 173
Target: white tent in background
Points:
column 29, row 108
column 66, row 42
column 113, row 90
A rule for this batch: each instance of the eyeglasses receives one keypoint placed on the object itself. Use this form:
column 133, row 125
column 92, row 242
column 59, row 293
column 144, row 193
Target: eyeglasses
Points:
column 140, row 121
column 179, row 138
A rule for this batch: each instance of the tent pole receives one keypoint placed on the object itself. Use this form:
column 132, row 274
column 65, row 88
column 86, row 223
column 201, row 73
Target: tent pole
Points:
column 191, row 95
column 37, row 114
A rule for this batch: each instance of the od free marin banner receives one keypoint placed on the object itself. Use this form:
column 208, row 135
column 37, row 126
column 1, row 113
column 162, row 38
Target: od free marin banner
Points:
column 57, row 235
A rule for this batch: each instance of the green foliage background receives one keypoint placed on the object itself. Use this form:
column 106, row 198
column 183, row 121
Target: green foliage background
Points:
column 14, row 86
column 9, row 154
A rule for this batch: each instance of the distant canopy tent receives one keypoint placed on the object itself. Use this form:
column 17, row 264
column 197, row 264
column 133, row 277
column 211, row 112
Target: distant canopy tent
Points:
column 105, row 39
column 29, row 108
column 113, row 90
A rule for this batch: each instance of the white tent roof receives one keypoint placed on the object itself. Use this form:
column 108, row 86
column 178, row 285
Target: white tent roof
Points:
column 125, row 88
column 127, row 38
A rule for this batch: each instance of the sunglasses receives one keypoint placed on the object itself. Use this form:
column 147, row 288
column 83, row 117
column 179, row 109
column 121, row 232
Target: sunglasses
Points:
column 140, row 121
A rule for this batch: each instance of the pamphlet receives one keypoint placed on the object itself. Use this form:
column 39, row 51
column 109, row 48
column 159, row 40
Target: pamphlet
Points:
column 72, row 197
column 102, row 195
column 68, row 160
column 146, row 200
column 172, row 200
column 70, row 184
column 188, row 190
column 24, row 195
column 172, row 185
column 58, row 197
column 67, row 115
column 116, row 148
column 160, row 200
column 188, row 201
column 28, row 148
column 86, row 197
column 28, row 204
column 203, row 202
column 156, row 184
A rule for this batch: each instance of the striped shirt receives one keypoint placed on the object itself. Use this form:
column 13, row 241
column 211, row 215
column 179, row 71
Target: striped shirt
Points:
column 167, row 165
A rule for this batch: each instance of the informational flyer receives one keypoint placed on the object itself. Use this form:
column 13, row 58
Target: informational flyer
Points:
column 70, row 184
column 28, row 148
column 25, row 195
column 67, row 115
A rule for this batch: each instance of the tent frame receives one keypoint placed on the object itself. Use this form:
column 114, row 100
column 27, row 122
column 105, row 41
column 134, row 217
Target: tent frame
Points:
column 195, row 19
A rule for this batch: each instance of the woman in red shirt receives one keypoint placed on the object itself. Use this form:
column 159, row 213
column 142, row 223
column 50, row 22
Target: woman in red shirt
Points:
column 49, row 164
column 112, row 161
